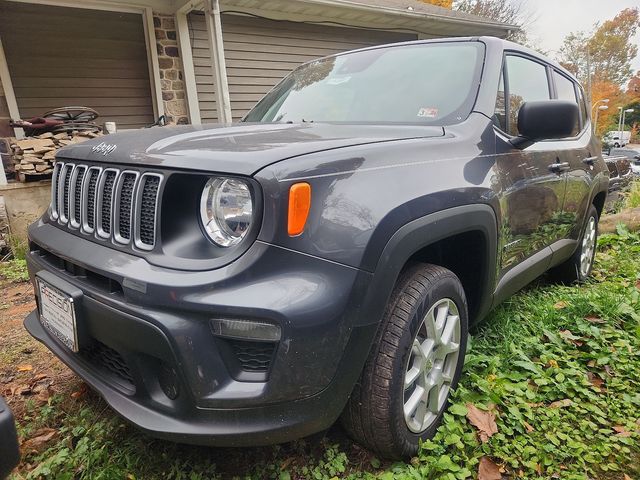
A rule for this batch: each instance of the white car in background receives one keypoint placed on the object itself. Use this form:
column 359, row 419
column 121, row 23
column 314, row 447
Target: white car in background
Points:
column 616, row 138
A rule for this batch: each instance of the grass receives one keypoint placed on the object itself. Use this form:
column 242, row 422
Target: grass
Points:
column 632, row 199
column 14, row 270
column 559, row 367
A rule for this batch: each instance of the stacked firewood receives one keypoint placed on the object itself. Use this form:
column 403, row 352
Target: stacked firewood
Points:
column 34, row 157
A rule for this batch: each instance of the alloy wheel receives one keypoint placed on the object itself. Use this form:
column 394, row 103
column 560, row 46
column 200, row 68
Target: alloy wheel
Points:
column 431, row 365
column 588, row 247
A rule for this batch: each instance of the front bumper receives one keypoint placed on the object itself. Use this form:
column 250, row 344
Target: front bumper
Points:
column 144, row 334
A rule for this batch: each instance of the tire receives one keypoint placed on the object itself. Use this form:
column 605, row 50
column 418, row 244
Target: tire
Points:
column 578, row 267
column 374, row 415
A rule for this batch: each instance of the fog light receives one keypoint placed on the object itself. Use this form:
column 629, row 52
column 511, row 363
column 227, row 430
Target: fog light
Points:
column 168, row 380
column 245, row 329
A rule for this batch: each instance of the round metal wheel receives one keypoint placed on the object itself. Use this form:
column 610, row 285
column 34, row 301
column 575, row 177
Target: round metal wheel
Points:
column 588, row 247
column 72, row 114
column 431, row 365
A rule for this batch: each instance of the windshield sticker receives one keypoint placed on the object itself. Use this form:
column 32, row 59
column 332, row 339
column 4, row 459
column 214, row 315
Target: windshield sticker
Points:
column 428, row 112
column 339, row 80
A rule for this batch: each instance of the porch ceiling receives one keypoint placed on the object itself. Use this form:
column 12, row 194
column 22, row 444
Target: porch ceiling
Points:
column 403, row 15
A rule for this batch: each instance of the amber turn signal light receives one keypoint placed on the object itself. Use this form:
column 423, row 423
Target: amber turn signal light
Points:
column 299, row 205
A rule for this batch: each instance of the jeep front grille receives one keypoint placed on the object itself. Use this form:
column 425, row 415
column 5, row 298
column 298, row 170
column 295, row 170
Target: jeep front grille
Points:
column 121, row 205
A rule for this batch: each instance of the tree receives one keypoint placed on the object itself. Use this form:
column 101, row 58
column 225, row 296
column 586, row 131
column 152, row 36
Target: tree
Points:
column 608, row 49
column 603, row 89
column 633, row 87
column 510, row 12
column 440, row 3
column 612, row 49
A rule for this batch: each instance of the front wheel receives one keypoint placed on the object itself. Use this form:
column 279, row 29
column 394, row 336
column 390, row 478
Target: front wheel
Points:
column 578, row 267
column 413, row 365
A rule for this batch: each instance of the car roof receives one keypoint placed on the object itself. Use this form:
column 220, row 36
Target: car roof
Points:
column 494, row 42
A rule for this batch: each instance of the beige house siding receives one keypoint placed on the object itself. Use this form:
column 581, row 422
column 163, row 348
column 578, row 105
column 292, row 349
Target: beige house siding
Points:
column 5, row 130
column 259, row 53
column 100, row 63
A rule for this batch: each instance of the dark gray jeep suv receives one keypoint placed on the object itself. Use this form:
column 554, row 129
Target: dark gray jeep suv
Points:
column 249, row 284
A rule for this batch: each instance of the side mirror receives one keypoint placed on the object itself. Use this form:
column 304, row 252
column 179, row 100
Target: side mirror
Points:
column 545, row 120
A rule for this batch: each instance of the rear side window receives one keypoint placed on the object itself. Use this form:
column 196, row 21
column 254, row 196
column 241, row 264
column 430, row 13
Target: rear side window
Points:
column 566, row 90
column 526, row 82
column 583, row 107
column 500, row 115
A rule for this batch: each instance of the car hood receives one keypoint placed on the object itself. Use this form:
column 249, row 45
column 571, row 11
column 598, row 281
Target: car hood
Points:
column 240, row 148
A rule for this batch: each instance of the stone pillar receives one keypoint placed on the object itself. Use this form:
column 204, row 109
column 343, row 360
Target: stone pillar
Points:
column 171, row 77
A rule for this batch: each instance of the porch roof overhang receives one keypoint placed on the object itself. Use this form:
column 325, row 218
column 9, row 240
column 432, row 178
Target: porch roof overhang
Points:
column 411, row 16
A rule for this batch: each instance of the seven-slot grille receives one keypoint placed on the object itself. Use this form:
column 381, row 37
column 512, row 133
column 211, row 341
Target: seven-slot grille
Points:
column 113, row 203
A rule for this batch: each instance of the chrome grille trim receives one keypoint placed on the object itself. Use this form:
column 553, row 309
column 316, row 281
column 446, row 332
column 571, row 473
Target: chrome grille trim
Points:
column 54, row 191
column 123, row 206
column 90, row 187
column 75, row 192
column 139, row 238
column 63, row 191
column 108, row 203
column 105, row 204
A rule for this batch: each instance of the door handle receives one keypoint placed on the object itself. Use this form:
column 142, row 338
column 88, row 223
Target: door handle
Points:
column 559, row 167
column 589, row 160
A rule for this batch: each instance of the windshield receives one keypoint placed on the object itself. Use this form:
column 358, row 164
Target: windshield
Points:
column 430, row 83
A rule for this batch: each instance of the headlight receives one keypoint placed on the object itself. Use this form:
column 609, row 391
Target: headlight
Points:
column 226, row 210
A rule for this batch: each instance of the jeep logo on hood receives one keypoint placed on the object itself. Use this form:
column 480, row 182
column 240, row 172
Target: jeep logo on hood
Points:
column 103, row 148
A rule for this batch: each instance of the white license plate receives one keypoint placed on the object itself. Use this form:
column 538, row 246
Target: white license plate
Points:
column 57, row 314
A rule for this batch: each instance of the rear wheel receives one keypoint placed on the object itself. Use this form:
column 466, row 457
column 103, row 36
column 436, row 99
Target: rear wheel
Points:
column 578, row 267
column 413, row 366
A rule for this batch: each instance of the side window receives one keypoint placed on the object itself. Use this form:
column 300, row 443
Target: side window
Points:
column 500, row 114
column 527, row 82
column 566, row 90
column 583, row 107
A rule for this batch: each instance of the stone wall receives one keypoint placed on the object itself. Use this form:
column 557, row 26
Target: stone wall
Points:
column 171, row 77
column 24, row 203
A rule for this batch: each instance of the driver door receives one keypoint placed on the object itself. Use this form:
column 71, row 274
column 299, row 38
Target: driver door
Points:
column 531, row 182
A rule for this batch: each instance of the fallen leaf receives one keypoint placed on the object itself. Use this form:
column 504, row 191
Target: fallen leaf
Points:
column 488, row 470
column 594, row 319
column 609, row 370
column 39, row 377
column 595, row 380
column 40, row 437
column 25, row 368
column 45, row 394
column 560, row 305
column 638, row 284
column 285, row 464
column 627, row 477
column 621, row 431
column 484, row 421
column 536, row 404
column 553, row 363
column 528, row 427
column 567, row 335
column 21, row 390
column 561, row 403
column 81, row 392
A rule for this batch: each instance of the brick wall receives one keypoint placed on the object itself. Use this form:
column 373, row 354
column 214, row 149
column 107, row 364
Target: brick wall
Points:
column 171, row 77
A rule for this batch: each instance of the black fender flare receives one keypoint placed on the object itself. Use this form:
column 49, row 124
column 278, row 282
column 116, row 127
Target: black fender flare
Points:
column 419, row 234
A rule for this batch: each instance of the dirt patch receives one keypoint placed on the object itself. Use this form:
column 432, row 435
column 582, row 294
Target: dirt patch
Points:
column 29, row 372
